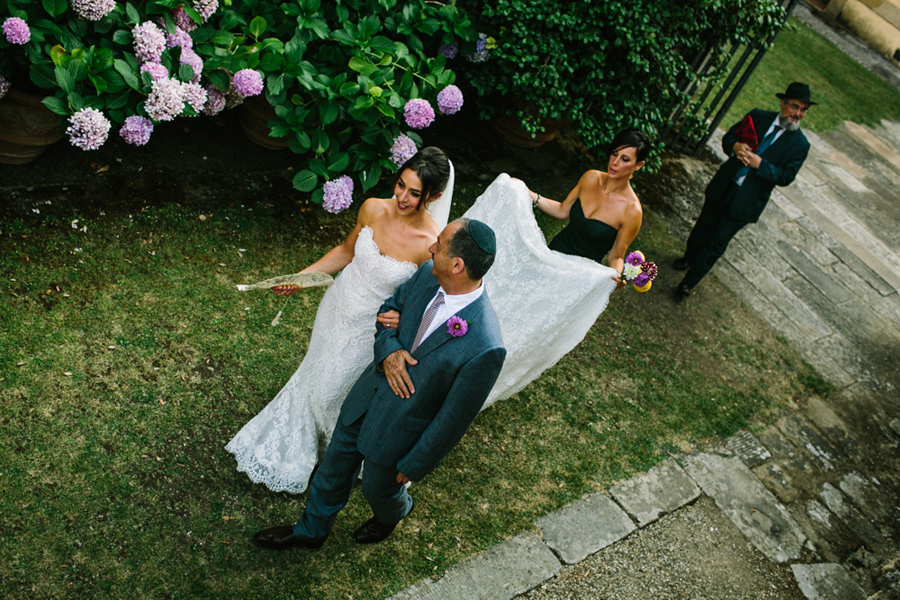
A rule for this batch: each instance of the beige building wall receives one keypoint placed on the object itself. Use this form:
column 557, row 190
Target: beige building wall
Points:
column 876, row 22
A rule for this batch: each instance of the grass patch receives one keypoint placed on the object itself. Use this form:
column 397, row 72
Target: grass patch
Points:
column 844, row 90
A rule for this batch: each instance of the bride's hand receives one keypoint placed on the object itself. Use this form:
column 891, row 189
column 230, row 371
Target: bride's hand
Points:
column 389, row 319
column 620, row 283
column 286, row 290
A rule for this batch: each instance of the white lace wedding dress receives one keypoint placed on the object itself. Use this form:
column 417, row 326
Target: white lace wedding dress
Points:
column 282, row 444
column 546, row 301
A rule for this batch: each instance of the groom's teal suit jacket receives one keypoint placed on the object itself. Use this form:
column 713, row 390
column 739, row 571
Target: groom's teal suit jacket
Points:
column 452, row 379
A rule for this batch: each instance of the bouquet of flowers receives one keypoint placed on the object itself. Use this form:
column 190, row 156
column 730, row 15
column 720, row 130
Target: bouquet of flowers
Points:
column 639, row 271
column 746, row 133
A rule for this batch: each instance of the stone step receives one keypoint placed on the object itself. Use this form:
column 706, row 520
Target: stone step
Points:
column 889, row 131
column 886, row 152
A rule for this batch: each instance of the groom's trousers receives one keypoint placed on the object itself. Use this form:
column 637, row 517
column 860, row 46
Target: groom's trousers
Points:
column 333, row 481
column 710, row 236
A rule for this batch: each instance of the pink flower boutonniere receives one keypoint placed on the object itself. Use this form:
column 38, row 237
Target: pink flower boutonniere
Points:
column 457, row 327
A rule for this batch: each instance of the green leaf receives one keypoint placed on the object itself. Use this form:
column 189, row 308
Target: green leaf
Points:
column 317, row 165
column 42, row 76
column 383, row 44
column 275, row 83
column 339, row 162
column 257, row 27
column 133, row 15
column 185, row 72
column 300, row 143
column 117, row 101
column 318, row 196
column 222, row 38
column 56, row 105
column 370, row 176
column 305, row 181
column 64, row 79
column 54, row 7
column 320, row 144
column 329, row 112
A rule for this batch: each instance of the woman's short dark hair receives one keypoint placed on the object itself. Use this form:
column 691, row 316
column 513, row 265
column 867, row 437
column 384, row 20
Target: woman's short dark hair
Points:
column 433, row 168
column 631, row 138
column 464, row 246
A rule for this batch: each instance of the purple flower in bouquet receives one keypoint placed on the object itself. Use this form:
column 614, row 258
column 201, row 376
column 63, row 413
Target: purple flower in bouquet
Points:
column 456, row 326
column 93, row 10
column 179, row 38
column 149, row 42
column 156, row 70
column 182, row 20
column 641, row 280
column 450, row 100
column 481, row 53
column 16, row 31
column 403, row 149
column 206, row 8
column 247, row 82
column 418, row 113
column 338, row 194
column 449, row 50
column 195, row 95
column 634, row 258
column 191, row 58
column 136, row 130
column 88, row 129
column 166, row 100
column 4, row 86
column 215, row 100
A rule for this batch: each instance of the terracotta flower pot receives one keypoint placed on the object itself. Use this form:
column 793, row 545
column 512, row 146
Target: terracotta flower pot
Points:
column 27, row 127
column 254, row 115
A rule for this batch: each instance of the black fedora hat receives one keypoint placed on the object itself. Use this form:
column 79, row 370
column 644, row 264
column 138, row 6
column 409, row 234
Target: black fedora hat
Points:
column 797, row 91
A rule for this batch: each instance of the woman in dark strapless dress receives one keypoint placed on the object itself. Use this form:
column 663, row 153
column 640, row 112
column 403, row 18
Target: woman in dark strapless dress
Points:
column 603, row 211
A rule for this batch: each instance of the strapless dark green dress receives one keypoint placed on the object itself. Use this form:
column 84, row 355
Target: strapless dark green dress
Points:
column 585, row 237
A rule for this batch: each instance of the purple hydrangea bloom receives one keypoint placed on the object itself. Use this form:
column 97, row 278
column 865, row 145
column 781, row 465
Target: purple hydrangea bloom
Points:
column 88, row 129
column 16, row 31
column 156, row 70
column 206, row 8
column 450, row 100
column 93, row 10
column 189, row 57
column 403, row 149
column 195, row 95
column 481, row 53
column 149, row 42
column 166, row 100
column 136, row 130
column 179, row 38
column 182, row 20
column 215, row 100
column 247, row 82
column 449, row 50
column 338, row 194
column 4, row 86
column 418, row 113
column 456, row 326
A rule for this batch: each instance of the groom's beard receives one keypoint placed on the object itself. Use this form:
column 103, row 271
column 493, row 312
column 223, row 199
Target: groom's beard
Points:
column 786, row 124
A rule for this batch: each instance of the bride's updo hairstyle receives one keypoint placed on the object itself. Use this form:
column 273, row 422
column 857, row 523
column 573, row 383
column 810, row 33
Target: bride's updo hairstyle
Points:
column 631, row 138
column 433, row 168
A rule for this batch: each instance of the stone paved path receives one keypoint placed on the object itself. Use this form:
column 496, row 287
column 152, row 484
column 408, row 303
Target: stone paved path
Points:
column 816, row 494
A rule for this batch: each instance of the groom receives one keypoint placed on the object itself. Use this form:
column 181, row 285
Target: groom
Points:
column 431, row 375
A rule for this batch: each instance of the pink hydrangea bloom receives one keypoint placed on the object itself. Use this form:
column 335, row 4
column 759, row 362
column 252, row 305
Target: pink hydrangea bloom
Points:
column 4, row 86
column 195, row 95
column 166, row 100
column 179, row 37
column 247, row 82
column 149, row 42
column 450, row 100
column 89, row 129
column 206, row 8
column 418, row 113
column 93, row 10
column 338, row 194
column 215, row 100
column 403, row 149
column 189, row 57
column 156, row 70
column 16, row 31
column 456, row 326
column 136, row 130
column 182, row 20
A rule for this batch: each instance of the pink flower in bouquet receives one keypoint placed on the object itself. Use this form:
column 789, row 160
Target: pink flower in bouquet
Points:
column 418, row 113
column 456, row 326
column 136, row 130
column 650, row 269
column 450, row 100
column 634, row 258
column 16, row 31
column 89, row 129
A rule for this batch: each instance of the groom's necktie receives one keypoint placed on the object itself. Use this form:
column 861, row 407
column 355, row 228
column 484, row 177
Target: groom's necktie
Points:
column 765, row 143
column 427, row 318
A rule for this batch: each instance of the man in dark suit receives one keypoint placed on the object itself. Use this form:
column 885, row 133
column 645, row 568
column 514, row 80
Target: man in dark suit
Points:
column 741, row 187
column 432, row 372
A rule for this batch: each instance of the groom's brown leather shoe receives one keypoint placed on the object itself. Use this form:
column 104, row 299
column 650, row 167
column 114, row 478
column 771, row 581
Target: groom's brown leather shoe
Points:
column 282, row 537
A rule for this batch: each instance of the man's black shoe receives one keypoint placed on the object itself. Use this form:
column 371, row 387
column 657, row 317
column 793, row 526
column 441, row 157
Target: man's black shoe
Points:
column 682, row 292
column 282, row 537
column 372, row 532
column 681, row 264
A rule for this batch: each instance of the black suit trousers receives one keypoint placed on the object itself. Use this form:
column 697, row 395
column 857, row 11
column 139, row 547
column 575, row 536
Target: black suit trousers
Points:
column 710, row 236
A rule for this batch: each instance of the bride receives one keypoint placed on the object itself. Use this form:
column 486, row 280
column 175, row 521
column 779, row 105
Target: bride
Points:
column 283, row 443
